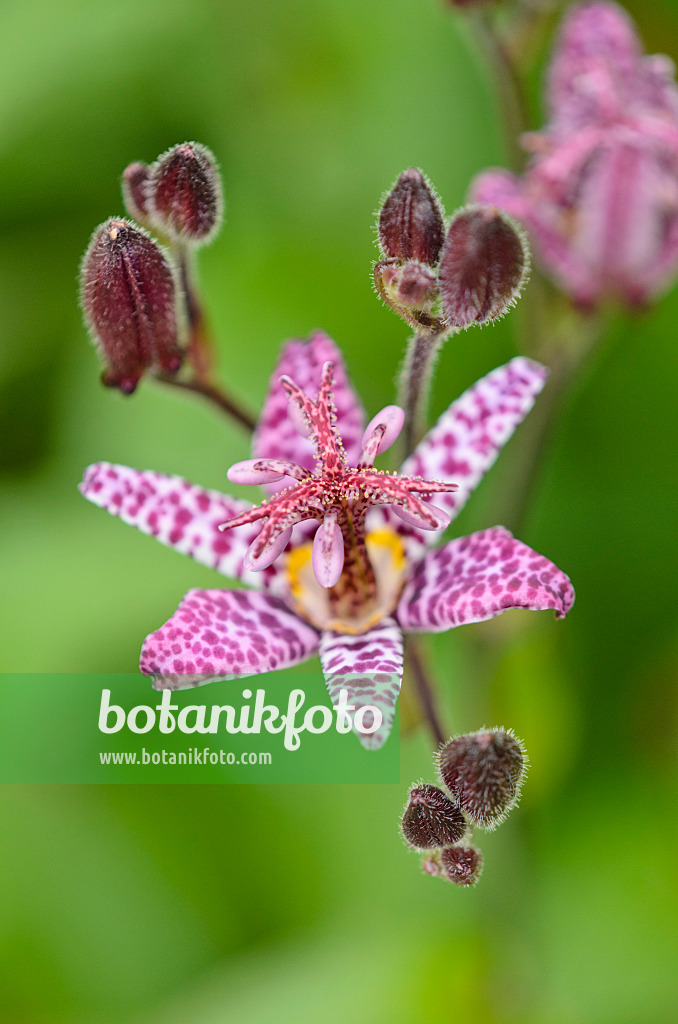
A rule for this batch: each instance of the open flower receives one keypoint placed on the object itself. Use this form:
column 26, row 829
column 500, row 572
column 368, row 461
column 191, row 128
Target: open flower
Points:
column 600, row 193
column 349, row 588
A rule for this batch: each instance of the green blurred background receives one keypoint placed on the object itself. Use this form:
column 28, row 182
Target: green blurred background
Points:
column 131, row 904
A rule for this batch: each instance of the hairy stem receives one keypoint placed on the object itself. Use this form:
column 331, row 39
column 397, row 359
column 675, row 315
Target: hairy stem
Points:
column 424, row 690
column 415, row 384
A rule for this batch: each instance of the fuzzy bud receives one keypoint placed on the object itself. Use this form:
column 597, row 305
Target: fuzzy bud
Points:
column 135, row 185
column 185, row 193
column 411, row 220
column 431, row 819
column 461, row 865
column 128, row 298
column 410, row 284
column 483, row 266
column 484, row 772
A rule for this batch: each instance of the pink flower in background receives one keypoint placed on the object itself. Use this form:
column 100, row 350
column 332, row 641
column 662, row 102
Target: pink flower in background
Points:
column 600, row 193
column 349, row 588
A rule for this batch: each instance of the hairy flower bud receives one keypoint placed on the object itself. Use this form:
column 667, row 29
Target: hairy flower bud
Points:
column 411, row 220
column 127, row 295
column 484, row 771
column 461, row 864
column 135, row 185
column 409, row 284
column 185, row 194
column 431, row 819
column 483, row 266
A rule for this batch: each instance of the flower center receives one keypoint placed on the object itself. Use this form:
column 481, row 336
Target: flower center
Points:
column 342, row 583
column 386, row 554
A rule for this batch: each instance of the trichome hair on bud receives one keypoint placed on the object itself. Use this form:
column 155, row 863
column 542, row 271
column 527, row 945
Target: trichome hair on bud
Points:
column 484, row 772
column 411, row 220
column 430, row 819
column 135, row 185
column 128, row 298
column 461, row 864
column 483, row 267
column 186, row 199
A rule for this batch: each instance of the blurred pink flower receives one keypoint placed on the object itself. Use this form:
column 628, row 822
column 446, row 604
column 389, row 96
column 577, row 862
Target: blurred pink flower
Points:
column 600, row 192
column 370, row 574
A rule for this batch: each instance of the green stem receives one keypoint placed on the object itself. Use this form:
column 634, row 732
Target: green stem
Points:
column 424, row 690
column 415, row 384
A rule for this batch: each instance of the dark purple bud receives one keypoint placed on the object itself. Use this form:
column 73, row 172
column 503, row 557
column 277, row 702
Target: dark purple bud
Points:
column 186, row 194
column 411, row 220
column 127, row 295
column 483, row 266
column 484, row 771
column 461, row 864
column 431, row 819
column 135, row 184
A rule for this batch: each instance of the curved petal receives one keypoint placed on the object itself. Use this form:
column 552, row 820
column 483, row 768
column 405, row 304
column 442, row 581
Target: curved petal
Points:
column 179, row 514
column 225, row 634
column 466, row 440
column 276, row 436
column 477, row 577
column 595, row 64
column 370, row 669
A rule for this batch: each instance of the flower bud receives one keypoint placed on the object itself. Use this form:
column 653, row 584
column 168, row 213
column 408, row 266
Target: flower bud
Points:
column 186, row 197
column 431, row 819
column 410, row 284
column 461, row 864
column 484, row 771
column 483, row 266
column 127, row 295
column 135, row 185
column 411, row 220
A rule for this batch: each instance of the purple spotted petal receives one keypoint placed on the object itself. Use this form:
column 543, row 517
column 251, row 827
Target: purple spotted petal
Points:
column 475, row 578
column 225, row 634
column 276, row 436
column 179, row 514
column 466, row 440
column 370, row 669
column 595, row 63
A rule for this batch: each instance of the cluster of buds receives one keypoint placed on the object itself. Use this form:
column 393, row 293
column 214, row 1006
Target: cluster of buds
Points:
column 482, row 772
column 599, row 196
column 442, row 280
column 135, row 292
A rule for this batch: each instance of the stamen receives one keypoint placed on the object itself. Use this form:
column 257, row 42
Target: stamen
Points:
column 265, row 471
column 256, row 560
column 328, row 552
column 382, row 430
column 338, row 497
column 437, row 519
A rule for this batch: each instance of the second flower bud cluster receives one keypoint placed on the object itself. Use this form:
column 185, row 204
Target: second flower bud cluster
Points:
column 441, row 281
column 137, row 295
column 483, row 773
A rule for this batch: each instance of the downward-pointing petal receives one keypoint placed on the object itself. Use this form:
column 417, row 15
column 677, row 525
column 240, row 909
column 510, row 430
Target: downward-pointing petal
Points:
column 369, row 668
column 328, row 551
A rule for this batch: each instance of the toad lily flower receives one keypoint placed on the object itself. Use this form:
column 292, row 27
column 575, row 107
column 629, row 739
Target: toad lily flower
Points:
column 349, row 588
column 600, row 193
